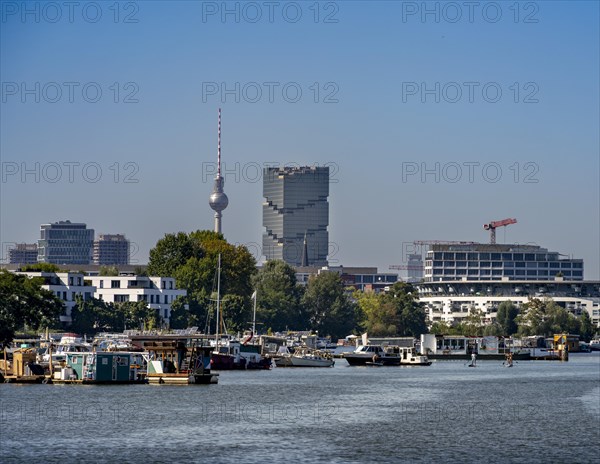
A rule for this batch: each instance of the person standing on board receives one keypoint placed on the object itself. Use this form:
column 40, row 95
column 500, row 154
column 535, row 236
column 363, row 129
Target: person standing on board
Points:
column 473, row 359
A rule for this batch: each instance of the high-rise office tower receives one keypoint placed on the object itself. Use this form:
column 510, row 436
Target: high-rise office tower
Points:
column 111, row 250
column 65, row 242
column 296, row 215
column 23, row 253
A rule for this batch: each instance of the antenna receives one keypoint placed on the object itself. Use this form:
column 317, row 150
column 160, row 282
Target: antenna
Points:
column 219, row 147
column 218, row 201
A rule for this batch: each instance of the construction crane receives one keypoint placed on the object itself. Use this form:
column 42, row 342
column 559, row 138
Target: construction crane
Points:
column 494, row 224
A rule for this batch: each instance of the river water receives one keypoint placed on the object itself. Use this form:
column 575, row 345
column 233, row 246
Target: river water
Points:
column 537, row 411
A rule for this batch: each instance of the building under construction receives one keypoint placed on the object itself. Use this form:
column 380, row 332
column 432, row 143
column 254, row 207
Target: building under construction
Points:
column 490, row 262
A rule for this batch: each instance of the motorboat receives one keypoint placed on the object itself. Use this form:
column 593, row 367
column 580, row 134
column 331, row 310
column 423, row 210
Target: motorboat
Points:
column 409, row 357
column 305, row 357
column 67, row 344
column 595, row 344
column 374, row 355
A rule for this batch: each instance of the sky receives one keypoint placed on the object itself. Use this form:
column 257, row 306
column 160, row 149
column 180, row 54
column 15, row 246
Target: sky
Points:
column 434, row 117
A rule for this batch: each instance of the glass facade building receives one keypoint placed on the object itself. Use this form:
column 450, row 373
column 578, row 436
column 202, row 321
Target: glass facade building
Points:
column 296, row 206
column 65, row 242
column 498, row 262
column 111, row 250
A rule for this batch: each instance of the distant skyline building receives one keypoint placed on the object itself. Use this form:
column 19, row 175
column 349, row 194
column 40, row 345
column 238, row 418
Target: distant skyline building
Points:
column 23, row 253
column 65, row 242
column 488, row 262
column 296, row 215
column 415, row 267
column 218, row 201
column 110, row 250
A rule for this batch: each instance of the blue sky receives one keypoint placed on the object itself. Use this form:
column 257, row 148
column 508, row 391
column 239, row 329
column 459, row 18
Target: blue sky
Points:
column 386, row 109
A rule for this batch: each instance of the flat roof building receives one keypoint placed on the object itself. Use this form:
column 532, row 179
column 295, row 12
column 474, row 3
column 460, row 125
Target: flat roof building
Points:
column 296, row 215
column 23, row 253
column 478, row 261
column 110, row 250
column 65, row 242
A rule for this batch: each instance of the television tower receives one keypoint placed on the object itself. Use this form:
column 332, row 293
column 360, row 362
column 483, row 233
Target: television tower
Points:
column 218, row 201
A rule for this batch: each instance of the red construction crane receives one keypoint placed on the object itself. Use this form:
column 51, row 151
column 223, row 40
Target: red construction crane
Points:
column 492, row 227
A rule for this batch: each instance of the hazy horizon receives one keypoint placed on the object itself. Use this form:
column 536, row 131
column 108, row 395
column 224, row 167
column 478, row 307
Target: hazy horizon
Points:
column 433, row 123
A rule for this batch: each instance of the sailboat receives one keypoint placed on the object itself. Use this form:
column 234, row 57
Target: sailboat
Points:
column 230, row 353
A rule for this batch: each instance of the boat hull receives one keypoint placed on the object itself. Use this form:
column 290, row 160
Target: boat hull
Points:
column 304, row 362
column 489, row 357
column 363, row 360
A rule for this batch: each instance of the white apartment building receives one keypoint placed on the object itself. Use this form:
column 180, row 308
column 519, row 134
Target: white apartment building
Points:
column 66, row 286
column 158, row 292
column 452, row 301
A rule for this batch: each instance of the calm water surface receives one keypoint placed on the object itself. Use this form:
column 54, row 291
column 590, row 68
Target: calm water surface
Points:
column 448, row 412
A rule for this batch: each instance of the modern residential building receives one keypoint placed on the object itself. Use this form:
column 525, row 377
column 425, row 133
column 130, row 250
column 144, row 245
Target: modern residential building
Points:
column 158, row 292
column 295, row 209
column 110, row 250
column 23, row 253
column 451, row 301
column 495, row 262
column 361, row 278
column 65, row 242
column 66, row 286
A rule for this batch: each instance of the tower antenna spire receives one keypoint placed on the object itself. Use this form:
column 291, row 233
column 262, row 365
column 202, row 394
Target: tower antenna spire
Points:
column 218, row 201
column 219, row 146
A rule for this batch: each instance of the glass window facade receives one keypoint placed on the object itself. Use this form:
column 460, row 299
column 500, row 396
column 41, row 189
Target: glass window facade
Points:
column 481, row 262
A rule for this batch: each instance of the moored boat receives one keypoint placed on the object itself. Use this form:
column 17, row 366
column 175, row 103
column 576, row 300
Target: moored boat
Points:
column 305, row 357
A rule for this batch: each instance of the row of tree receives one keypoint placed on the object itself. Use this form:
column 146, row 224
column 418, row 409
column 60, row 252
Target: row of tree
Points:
column 536, row 317
column 24, row 303
column 322, row 305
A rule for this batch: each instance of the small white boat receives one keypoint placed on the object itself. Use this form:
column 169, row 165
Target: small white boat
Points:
column 68, row 344
column 595, row 344
column 305, row 357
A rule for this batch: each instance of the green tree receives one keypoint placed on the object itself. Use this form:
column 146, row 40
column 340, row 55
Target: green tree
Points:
column 40, row 267
column 493, row 329
column 440, row 328
column 506, row 317
column 93, row 315
column 473, row 323
column 24, row 303
column 171, row 252
column 108, row 271
column 278, row 296
column 192, row 260
column 329, row 310
column 411, row 315
column 545, row 317
column 379, row 317
column 587, row 328
column 138, row 315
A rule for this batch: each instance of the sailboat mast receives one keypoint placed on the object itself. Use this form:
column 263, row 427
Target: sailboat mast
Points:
column 254, row 317
column 218, row 302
